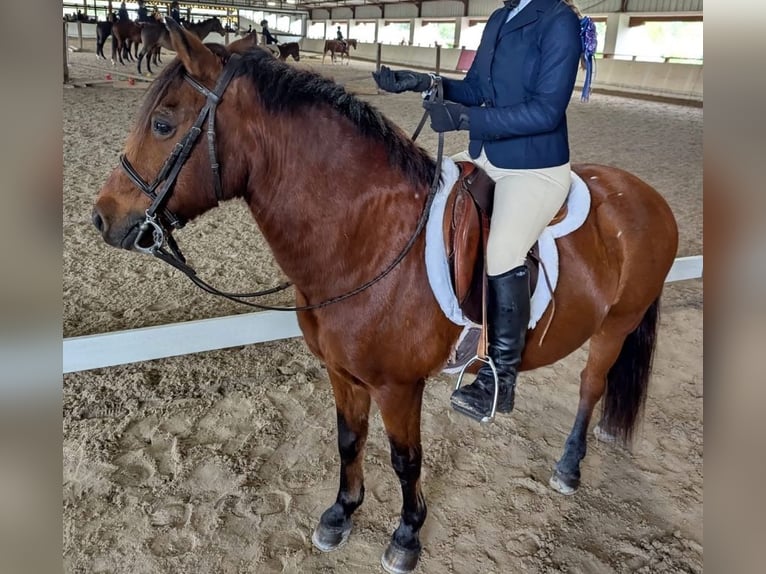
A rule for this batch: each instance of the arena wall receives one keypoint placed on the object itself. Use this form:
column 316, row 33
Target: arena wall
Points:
column 672, row 80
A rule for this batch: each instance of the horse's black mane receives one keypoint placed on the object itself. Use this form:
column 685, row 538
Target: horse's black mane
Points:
column 283, row 88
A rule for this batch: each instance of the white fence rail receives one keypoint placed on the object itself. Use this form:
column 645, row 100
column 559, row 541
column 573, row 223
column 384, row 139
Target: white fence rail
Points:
column 135, row 345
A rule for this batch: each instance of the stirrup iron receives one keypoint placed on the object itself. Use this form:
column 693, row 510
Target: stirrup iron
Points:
column 486, row 418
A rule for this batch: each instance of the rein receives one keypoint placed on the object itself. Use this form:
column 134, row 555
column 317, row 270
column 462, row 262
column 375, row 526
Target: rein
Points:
column 169, row 174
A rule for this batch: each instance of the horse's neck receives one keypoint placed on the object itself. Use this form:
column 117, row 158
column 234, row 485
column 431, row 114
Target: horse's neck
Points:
column 204, row 28
column 318, row 225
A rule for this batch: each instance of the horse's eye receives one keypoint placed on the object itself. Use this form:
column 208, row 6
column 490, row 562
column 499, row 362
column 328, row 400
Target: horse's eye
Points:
column 161, row 127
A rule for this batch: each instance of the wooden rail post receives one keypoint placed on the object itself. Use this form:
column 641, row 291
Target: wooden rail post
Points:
column 79, row 33
column 66, row 59
column 378, row 56
column 438, row 57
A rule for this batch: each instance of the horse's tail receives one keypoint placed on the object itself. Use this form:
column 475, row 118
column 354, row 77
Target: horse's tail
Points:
column 628, row 379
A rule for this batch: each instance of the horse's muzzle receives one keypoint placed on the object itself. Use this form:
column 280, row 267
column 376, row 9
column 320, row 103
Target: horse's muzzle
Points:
column 121, row 234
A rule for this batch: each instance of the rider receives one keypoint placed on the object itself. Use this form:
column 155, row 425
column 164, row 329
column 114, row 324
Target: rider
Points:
column 513, row 103
column 268, row 37
column 122, row 13
column 339, row 37
column 175, row 12
column 143, row 12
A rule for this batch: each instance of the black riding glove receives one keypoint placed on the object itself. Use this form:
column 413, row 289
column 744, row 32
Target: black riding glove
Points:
column 447, row 116
column 401, row 80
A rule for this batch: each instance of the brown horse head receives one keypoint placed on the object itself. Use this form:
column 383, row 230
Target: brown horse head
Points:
column 168, row 112
column 267, row 118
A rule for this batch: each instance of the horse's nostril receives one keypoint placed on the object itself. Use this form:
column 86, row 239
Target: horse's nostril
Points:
column 98, row 221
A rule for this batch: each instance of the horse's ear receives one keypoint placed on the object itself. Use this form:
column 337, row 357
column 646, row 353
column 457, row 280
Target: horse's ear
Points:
column 198, row 60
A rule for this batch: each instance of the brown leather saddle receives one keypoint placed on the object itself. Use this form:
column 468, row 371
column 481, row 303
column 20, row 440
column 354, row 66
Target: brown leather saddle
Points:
column 467, row 216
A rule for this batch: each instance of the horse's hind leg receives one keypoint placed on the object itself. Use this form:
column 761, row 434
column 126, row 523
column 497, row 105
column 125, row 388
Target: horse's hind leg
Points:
column 400, row 408
column 353, row 408
column 619, row 362
column 140, row 57
column 604, row 350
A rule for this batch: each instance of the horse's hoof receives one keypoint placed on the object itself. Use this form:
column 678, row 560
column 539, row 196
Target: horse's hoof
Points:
column 563, row 486
column 398, row 560
column 327, row 538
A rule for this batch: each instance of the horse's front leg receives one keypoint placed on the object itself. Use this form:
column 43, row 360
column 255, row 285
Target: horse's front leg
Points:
column 352, row 403
column 400, row 408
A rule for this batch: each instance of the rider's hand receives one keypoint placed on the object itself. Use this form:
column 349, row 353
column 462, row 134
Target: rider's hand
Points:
column 447, row 116
column 401, row 80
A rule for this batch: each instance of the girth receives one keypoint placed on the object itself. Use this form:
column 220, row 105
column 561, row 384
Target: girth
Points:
column 465, row 226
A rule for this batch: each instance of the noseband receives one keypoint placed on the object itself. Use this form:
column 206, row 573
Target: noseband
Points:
column 168, row 174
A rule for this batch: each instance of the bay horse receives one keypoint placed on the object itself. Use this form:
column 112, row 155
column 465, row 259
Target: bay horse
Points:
column 125, row 33
column 336, row 46
column 289, row 49
column 155, row 36
column 334, row 227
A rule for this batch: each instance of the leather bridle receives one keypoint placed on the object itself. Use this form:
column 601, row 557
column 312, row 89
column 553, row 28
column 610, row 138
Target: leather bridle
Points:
column 169, row 171
column 158, row 214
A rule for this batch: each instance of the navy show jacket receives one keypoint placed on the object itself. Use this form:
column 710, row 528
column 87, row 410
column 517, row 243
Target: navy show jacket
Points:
column 520, row 84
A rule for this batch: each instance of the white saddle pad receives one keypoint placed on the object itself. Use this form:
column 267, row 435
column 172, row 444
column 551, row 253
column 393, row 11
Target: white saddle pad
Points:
column 437, row 265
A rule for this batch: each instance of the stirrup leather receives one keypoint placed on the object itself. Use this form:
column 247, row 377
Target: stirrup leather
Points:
column 486, row 418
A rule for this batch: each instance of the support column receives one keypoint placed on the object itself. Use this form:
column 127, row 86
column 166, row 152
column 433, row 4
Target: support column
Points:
column 617, row 25
column 66, row 50
column 461, row 25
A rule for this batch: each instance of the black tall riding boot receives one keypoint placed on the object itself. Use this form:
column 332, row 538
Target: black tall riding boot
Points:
column 507, row 320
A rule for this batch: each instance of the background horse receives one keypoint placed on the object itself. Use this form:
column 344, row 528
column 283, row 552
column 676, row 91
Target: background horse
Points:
column 336, row 46
column 289, row 49
column 331, row 235
column 202, row 29
column 155, row 36
column 243, row 44
column 103, row 31
column 125, row 33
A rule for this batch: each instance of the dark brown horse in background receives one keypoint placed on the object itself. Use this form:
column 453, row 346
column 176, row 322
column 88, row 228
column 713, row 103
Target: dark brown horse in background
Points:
column 330, row 235
column 103, row 31
column 125, row 34
column 250, row 41
column 156, row 35
column 289, row 49
column 338, row 47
